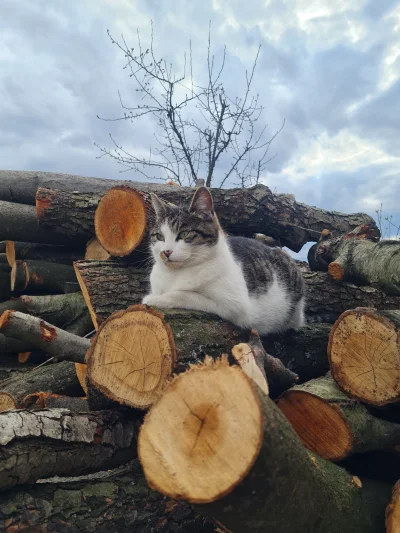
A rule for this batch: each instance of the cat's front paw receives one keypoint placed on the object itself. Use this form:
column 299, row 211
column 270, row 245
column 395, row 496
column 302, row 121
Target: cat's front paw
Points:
column 154, row 301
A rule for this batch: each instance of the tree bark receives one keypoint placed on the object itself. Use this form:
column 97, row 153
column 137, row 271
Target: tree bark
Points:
column 58, row 309
column 54, row 341
column 18, row 223
column 357, row 257
column 244, row 211
column 41, row 276
column 246, row 482
column 41, row 252
column 12, row 305
column 108, row 502
column 332, row 425
column 58, row 378
column 364, row 355
column 5, row 283
column 48, row 400
column 70, row 213
column 37, row 444
column 326, row 295
column 9, row 345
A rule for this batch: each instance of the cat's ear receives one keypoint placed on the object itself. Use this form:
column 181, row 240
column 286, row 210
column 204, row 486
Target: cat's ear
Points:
column 159, row 206
column 202, row 203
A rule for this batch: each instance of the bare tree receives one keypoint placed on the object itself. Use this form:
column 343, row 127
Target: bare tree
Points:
column 199, row 125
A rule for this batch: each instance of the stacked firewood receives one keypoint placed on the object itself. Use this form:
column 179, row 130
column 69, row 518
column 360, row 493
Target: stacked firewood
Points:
column 289, row 433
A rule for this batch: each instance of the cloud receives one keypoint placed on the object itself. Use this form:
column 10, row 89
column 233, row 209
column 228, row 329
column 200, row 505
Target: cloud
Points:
column 331, row 70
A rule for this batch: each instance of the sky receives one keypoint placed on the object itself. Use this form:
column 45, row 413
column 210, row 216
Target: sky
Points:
column 330, row 70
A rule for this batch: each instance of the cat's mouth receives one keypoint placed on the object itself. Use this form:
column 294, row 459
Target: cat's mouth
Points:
column 170, row 263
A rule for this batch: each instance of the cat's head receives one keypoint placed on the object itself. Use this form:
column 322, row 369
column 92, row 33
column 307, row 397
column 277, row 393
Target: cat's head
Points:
column 184, row 237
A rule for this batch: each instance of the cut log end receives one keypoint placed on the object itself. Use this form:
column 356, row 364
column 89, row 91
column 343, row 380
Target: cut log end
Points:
column 95, row 251
column 393, row 511
column 81, row 372
column 19, row 276
column 6, row 402
column 86, row 297
column 132, row 356
column 120, row 221
column 336, row 271
column 192, row 431
column 10, row 253
column 364, row 353
column 321, row 426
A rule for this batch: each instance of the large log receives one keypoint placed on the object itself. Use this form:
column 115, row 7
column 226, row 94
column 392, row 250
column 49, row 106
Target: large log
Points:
column 48, row 400
column 229, row 449
column 332, row 425
column 117, row 501
column 58, row 309
column 58, row 378
column 54, row 341
column 364, row 355
column 40, row 276
column 38, row 444
column 18, row 223
column 5, row 282
column 245, row 211
column 41, row 252
column 357, row 257
column 393, row 511
column 326, row 295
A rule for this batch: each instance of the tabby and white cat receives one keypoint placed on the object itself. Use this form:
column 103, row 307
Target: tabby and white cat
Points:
column 242, row 280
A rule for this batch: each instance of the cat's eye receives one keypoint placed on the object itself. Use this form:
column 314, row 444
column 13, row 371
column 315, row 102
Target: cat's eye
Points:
column 158, row 236
column 183, row 235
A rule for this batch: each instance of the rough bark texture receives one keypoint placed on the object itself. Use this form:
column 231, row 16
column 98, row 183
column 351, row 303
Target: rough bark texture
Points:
column 333, row 425
column 247, row 211
column 326, row 295
column 357, row 257
column 38, row 444
column 41, row 276
column 70, row 213
column 41, row 252
column 109, row 502
column 18, row 223
column 58, row 378
column 109, row 286
column 58, row 309
column 54, row 341
column 364, row 355
column 48, row 400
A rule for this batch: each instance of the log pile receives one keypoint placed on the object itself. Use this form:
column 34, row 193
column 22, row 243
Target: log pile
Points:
column 175, row 420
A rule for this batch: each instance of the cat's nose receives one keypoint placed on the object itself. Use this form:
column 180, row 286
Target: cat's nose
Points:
column 167, row 253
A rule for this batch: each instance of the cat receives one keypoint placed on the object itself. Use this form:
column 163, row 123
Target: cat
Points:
column 196, row 266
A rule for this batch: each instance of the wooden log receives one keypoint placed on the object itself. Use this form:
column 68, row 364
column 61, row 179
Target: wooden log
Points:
column 246, row 482
column 356, row 256
column 100, row 281
column 59, row 378
column 115, row 501
column 9, row 345
column 54, row 341
column 95, row 251
column 326, row 295
column 14, row 304
column 3, row 259
column 40, row 276
column 393, row 511
column 132, row 356
column 364, row 355
column 38, row 444
column 18, row 223
column 121, row 220
column 332, row 425
column 41, row 252
column 2, row 247
column 5, row 284
column 81, row 325
column 58, row 309
column 244, row 211
column 48, row 400
column 279, row 377
column 69, row 213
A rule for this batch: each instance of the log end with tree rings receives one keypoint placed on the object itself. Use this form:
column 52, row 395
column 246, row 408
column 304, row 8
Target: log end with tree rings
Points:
column 81, row 371
column 95, row 251
column 393, row 511
column 203, row 435
column 6, row 402
column 320, row 425
column 120, row 221
column 364, row 355
column 132, row 356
